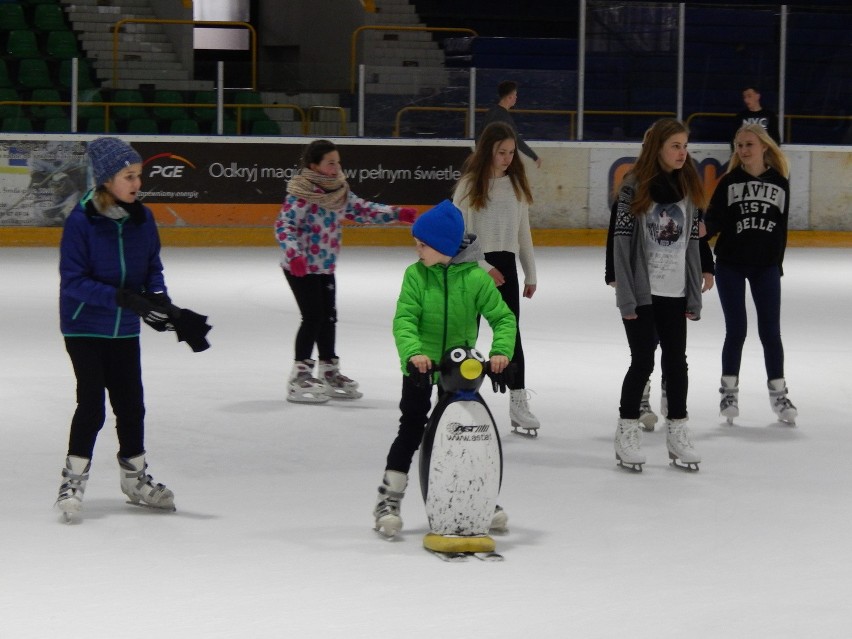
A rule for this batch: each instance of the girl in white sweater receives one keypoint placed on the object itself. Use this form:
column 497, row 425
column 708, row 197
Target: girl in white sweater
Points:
column 494, row 197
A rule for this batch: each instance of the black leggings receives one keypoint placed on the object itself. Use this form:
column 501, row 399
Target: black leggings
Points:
column 113, row 365
column 664, row 317
column 504, row 262
column 415, row 404
column 315, row 297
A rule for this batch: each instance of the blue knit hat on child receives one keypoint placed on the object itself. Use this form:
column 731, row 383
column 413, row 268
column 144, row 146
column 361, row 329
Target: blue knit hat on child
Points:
column 441, row 227
column 109, row 156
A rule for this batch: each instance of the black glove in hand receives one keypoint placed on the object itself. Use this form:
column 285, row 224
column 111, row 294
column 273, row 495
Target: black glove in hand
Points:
column 140, row 305
column 162, row 301
column 500, row 381
column 420, row 380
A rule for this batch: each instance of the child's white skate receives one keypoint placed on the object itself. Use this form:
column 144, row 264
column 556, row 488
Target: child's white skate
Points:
column 74, row 478
column 337, row 386
column 681, row 451
column 781, row 404
column 303, row 387
column 521, row 417
column 387, row 510
column 729, row 406
column 628, row 450
column 647, row 416
column 139, row 486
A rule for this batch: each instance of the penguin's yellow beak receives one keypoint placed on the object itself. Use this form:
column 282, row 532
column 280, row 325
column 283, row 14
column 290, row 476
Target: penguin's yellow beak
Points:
column 470, row 369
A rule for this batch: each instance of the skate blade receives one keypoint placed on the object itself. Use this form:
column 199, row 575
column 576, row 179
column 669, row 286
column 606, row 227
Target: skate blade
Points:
column 691, row 467
column 141, row 504
column 525, row 432
column 344, row 395
column 307, row 399
column 451, row 557
column 633, row 468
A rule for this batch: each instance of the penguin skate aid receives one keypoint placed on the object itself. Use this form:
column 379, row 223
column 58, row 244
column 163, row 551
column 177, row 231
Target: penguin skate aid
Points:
column 445, row 287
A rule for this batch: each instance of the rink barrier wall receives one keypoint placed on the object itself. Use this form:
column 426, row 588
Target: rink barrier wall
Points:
column 366, row 236
column 209, row 190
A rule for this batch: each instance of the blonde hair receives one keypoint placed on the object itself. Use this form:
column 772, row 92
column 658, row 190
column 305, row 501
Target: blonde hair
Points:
column 103, row 199
column 773, row 155
column 647, row 167
column 477, row 168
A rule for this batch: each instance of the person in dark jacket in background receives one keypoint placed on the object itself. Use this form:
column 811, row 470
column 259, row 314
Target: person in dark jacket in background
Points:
column 754, row 113
column 110, row 276
column 507, row 91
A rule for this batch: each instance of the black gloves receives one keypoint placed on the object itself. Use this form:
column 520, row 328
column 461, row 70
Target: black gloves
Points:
column 192, row 328
column 142, row 306
column 500, row 381
column 162, row 301
column 420, row 380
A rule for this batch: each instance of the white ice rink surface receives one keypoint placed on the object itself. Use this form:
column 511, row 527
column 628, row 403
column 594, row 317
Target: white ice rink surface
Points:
column 273, row 534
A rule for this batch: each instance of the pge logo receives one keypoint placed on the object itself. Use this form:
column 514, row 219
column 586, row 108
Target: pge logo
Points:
column 167, row 165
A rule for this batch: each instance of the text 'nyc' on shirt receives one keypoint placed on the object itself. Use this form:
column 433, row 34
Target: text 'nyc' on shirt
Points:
column 666, row 236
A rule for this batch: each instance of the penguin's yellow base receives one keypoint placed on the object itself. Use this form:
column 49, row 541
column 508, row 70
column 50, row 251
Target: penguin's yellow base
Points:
column 446, row 543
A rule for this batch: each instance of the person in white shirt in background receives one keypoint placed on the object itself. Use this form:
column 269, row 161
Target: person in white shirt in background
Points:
column 494, row 197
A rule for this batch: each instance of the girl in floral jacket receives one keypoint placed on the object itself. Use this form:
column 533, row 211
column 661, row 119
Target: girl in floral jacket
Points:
column 308, row 230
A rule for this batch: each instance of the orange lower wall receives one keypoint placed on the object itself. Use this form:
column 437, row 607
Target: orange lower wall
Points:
column 369, row 236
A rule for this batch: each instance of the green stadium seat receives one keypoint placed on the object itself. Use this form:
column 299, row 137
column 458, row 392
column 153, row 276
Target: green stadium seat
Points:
column 9, row 110
column 265, row 127
column 33, row 73
column 204, row 114
column 22, row 44
column 184, row 127
column 145, row 126
column 16, row 125
column 12, row 18
column 49, row 17
column 129, row 112
column 98, row 125
column 87, row 112
column 84, row 75
column 62, row 45
column 57, row 125
column 47, row 111
column 5, row 79
column 169, row 113
column 250, row 114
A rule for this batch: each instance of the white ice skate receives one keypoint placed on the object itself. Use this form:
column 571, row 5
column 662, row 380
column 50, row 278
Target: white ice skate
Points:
column 681, row 451
column 139, row 486
column 628, row 450
column 781, row 404
column 337, row 386
column 74, row 478
column 522, row 419
column 729, row 406
column 647, row 416
column 303, row 387
column 387, row 510
column 499, row 522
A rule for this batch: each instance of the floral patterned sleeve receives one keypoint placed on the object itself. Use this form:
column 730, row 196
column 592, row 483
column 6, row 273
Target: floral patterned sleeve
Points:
column 363, row 211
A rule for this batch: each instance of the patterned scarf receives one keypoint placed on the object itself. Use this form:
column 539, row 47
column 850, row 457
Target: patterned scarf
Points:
column 331, row 193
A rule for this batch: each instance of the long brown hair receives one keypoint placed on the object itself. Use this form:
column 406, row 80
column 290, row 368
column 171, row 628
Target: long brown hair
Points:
column 648, row 167
column 773, row 156
column 477, row 167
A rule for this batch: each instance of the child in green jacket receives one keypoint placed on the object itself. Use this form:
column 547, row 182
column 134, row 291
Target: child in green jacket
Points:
column 442, row 297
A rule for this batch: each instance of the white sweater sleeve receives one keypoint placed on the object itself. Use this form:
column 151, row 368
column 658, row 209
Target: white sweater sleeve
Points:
column 462, row 202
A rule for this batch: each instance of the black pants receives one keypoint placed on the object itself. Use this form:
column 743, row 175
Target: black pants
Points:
column 414, row 406
column 315, row 296
column 664, row 318
column 111, row 365
column 505, row 262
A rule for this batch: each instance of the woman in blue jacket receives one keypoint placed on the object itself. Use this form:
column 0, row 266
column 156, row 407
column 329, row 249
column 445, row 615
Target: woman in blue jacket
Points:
column 110, row 276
